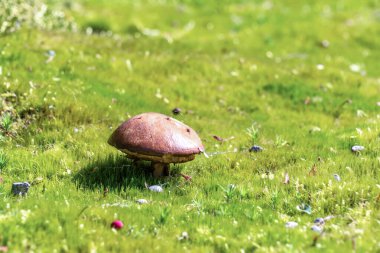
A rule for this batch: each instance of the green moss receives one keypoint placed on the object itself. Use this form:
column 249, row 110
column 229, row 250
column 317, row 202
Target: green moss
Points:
column 228, row 65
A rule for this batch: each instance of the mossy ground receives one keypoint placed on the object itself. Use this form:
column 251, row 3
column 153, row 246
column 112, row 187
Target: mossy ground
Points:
column 230, row 66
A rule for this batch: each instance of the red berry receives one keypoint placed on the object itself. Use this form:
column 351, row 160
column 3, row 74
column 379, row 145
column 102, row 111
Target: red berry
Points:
column 117, row 224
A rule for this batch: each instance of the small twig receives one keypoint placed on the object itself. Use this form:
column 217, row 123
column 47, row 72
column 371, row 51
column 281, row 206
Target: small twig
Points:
column 105, row 192
column 186, row 177
column 313, row 170
column 220, row 139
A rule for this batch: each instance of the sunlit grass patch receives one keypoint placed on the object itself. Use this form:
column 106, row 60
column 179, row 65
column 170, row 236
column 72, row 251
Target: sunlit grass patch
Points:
column 298, row 80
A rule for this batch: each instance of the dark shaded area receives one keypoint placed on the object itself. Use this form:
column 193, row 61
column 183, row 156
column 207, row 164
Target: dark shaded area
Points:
column 295, row 92
column 133, row 30
column 115, row 173
column 98, row 26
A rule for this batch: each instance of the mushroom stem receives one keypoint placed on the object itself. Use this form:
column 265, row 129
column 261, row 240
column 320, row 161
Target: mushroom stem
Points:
column 160, row 169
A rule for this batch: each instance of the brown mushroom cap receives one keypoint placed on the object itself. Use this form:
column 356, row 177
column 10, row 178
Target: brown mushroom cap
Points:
column 156, row 137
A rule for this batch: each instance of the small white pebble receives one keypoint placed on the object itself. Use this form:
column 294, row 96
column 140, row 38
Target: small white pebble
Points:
column 185, row 235
column 142, row 201
column 314, row 129
column 317, row 228
column 357, row 148
column 337, row 177
column 156, row 188
column 291, row 224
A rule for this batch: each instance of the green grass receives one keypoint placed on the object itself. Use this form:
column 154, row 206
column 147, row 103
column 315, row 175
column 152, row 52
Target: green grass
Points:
column 230, row 66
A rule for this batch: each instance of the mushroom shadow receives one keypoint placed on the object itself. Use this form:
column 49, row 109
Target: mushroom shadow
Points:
column 115, row 173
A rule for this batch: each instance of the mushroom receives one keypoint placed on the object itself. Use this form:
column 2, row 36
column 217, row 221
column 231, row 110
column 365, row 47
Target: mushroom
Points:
column 157, row 138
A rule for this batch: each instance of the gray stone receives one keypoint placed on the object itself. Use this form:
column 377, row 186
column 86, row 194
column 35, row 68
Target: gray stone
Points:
column 156, row 188
column 319, row 221
column 357, row 148
column 317, row 228
column 337, row 177
column 20, row 188
column 291, row 224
